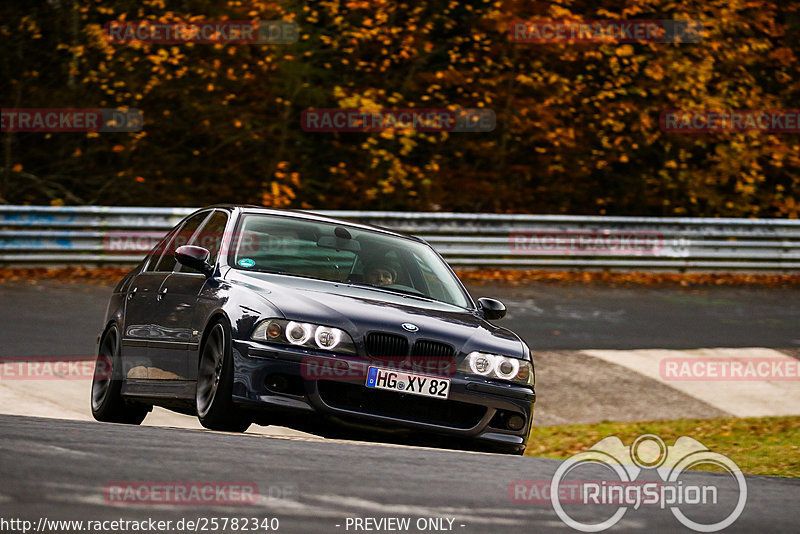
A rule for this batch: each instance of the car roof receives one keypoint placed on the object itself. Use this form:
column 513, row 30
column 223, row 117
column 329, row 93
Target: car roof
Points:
column 304, row 215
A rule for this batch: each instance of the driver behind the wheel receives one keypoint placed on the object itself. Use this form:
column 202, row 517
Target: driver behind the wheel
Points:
column 380, row 275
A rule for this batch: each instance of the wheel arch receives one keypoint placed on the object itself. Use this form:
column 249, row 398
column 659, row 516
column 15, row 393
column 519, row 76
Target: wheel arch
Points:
column 215, row 317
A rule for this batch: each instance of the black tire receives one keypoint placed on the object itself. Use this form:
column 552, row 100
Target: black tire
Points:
column 108, row 405
column 215, row 408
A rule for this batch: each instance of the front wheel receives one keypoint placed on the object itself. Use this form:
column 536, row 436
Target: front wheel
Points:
column 107, row 402
column 215, row 408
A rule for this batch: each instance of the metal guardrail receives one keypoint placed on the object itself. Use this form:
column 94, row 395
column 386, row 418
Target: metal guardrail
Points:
column 43, row 235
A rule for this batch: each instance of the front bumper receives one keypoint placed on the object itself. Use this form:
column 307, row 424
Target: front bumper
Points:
column 275, row 378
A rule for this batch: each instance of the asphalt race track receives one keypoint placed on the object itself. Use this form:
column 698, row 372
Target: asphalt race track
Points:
column 60, row 468
column 548, row 317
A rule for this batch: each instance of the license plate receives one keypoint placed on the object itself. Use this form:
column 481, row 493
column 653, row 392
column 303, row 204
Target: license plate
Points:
column 402, row 382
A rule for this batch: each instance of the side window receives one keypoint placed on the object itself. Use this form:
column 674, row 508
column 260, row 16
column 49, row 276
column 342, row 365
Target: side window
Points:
column 158, row 251
column 213, row 234
column 182, row 237
column 209, row 237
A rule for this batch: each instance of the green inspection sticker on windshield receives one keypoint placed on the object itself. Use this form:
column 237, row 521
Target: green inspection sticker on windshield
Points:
column 246, row 262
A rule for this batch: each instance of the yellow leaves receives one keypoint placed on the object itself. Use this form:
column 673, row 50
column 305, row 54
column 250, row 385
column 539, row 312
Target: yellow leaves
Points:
column 559, row 12
column 407, row 144
column 277, row 195
column 654, row 71
column 524, row 79
column 783, row 55
column 625, row 50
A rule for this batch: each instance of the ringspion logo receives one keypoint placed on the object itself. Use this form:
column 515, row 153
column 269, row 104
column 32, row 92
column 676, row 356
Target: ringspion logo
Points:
column 649, row 453
column 538, row 491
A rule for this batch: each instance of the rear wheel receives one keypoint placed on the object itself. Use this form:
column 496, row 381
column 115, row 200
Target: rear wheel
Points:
column 215, row 407
column 107, row 402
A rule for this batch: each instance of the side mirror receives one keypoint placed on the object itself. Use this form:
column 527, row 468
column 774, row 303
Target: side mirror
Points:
column 195, row 257
column 492, row 309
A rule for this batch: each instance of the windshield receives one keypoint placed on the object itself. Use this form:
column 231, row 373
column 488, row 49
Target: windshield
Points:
column 338, row 253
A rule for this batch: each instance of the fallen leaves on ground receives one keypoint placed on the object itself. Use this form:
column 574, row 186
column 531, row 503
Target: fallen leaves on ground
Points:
column 109, row 275
column 632, row 278
column 104, row 275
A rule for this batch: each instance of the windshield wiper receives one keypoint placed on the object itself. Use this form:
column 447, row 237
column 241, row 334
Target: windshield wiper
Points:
column 266, row 271
column 405, row 293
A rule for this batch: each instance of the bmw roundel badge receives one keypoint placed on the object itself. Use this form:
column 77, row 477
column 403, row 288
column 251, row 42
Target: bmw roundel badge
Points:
column 410, row 327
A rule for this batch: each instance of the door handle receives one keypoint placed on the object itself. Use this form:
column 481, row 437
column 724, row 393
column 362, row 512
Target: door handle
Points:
column 132, row 293
column 161, row 293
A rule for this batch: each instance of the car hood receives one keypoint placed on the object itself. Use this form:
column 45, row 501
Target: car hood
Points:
column 360, row 310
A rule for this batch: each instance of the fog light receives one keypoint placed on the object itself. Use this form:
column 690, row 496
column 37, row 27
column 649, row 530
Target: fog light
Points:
column 277, row 383
column 515, row 422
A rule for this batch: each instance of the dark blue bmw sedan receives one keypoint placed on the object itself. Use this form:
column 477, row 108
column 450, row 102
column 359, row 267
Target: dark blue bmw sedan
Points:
column 245, row 315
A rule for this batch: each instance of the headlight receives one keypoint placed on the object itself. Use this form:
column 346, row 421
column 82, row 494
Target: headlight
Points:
column 481, row 364
column 496, row 366
column 327, row 338
column 506, row 368
column 298, row 333
column 306, row 335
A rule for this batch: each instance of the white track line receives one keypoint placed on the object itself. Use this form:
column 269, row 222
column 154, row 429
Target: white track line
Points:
column 741, row 398
column 68, row 398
